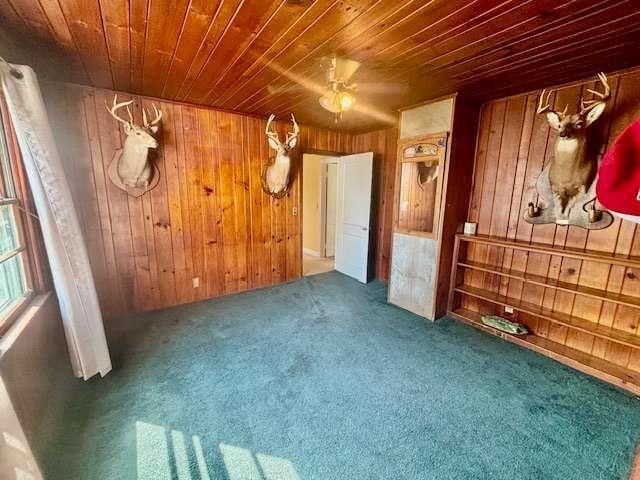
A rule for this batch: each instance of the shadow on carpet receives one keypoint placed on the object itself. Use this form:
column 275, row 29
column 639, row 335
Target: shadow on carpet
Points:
column 321, row 379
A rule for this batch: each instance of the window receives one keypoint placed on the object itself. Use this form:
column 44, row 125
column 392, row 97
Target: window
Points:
column 16, row 231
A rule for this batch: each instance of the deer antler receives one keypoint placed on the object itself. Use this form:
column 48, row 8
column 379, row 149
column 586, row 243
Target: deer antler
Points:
column 116, row 106
column 158, row 114
column 586, row 106
column 296, row 130
column 270, row 133
column 543, row 103
column 544, row 106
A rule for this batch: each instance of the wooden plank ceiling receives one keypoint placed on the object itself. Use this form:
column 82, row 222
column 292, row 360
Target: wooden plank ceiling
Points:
column 242, row 54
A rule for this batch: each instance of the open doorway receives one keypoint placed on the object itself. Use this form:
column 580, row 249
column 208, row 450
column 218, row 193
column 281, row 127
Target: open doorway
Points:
column 319, row 200
column 336, row 213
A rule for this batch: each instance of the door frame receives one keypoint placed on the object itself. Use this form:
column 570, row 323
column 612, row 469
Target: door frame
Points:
column 303, row 152
column 324, row 163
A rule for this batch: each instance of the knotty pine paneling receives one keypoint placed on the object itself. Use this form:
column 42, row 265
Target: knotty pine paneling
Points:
column 208, row 217
column 254, row 55
column 514, row 144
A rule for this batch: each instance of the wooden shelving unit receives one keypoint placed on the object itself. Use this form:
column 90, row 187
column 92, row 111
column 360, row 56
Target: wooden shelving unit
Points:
column 556, row 284
column 570, row 321
column 593, row 365
column 620, row 376
column 602, row 257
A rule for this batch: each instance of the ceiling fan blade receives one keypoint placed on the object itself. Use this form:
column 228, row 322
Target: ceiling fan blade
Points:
column 278, row 89
column 345, row 68
column 381, row 87
column 328, row 102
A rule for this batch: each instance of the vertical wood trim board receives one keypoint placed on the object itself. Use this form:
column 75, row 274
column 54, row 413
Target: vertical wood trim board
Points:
column 514, row 144
column 208, row 217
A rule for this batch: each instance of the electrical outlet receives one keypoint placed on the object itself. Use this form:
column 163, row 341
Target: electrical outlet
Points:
column 294, row 210
column 508, row 309
column 196, row 282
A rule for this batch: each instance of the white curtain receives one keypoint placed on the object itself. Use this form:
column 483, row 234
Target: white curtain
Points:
column 65, row 247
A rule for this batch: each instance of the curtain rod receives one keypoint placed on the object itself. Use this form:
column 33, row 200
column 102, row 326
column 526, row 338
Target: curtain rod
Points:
column 13, row 70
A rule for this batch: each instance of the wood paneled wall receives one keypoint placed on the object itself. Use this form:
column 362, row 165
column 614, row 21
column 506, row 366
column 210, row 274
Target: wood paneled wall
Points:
column 207, row 218
column 514, row 144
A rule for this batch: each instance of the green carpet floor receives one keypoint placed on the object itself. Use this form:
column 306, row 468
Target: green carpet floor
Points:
column 320, row 379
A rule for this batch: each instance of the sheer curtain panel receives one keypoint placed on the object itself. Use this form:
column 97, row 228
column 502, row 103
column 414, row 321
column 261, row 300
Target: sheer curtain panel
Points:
column 63, row 240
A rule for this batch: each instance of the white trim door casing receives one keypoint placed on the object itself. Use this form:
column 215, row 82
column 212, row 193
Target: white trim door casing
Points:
column 329, row 211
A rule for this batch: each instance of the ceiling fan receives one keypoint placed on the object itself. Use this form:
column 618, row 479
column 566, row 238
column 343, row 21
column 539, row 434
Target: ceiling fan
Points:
column 338, row 94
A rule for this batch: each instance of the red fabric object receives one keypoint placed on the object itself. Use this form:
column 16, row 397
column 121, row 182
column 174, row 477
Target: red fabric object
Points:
column 618, row 187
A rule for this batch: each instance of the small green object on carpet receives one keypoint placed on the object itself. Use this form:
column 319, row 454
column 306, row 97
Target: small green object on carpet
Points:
column 504, row 325
column 321, row 379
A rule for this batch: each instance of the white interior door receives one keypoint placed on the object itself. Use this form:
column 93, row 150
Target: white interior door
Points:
column 353, row 214
column 332, row 197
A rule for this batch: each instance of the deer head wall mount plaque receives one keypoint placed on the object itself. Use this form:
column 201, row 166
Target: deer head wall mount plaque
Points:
column 131, row 170
column 566, row 187
column 276, row 172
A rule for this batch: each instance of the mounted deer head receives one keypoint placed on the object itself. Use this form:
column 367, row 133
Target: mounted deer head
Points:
column 569, row 126
column 275, row 174
column 130, row 168
column 571, row 173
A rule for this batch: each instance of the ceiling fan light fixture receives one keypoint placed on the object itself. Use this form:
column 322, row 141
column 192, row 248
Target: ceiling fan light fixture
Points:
column 339, row 95
column 328, row 102
column 337, row 102
column 347, row 100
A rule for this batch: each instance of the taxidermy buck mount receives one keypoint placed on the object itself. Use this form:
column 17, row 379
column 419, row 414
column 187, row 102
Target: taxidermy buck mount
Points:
column 131, row 170
column 426, row 173
column 566, row 186
column 276, row 172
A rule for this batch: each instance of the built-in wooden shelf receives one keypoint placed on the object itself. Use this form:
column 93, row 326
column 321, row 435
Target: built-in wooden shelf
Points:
column 597, row 367
column 546, row 282
column 618, row 336
column 601, row 257
column 611, row 371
